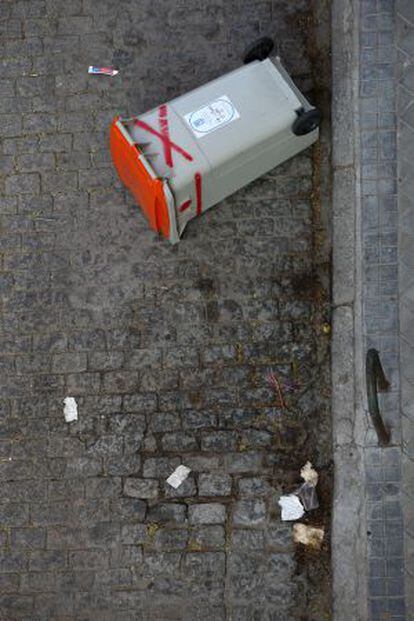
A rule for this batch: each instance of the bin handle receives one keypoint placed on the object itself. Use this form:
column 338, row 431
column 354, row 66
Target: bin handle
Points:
column 376, row 382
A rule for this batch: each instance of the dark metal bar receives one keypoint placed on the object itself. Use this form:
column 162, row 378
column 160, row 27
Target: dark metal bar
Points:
column 376, row 382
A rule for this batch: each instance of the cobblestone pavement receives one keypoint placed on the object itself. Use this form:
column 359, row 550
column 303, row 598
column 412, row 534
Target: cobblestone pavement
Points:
column 166, row 349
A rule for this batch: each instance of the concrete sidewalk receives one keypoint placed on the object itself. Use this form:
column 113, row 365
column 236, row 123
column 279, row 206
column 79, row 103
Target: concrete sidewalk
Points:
column 373, row 300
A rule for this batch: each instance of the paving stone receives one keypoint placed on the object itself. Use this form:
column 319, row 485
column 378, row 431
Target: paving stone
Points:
column 160, row 467
column 186, row 489
column 14, row 514
column 206, row 564
column 164, row 421
column 141, row 488
column 103, row 487
column 167, row 512
column 200, row 463
column 179, row 441
column 142, row 403
column 83, row 466
column 193, row 419
column 170, row 540
column 29, row 538
column 218, row 441
column 254, row 439
column 143, row 358
column 47, row 560
column 23, row 184
column 13, row 605
column 244, row 462
column 126, row 508
column 120, row 382
column 83, row 383
column 156, row 563
column 129, row 556
column 248, row 539
column 69, row 363
column 85, row 559
column 249, row 512
column 254, row 486
column 122, row 465
column 9, row 583
column 214, row 484
column 134, row 534
column 208, row 513
column 280, row 536
column 117, row 422
column 207, row 537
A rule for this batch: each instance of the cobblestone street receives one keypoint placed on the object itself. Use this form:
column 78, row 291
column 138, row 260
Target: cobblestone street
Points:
column 166, row 348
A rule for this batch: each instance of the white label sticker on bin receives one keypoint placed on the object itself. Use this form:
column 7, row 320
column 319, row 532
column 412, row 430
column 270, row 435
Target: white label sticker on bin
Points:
column 212, row 116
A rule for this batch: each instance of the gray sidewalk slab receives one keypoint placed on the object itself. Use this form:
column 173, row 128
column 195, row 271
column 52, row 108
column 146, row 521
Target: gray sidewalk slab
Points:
column 379, row 235
column 373, row 302
column 405, row 109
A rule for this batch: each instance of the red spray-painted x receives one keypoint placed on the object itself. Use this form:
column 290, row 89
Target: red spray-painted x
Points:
column 164, row 136
column 169, row 145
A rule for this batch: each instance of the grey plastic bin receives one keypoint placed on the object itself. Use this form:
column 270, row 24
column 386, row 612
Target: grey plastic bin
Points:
column 204, row 145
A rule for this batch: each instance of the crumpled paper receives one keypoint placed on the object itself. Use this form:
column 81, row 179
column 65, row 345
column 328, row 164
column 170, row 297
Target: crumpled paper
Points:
column 70, row 409
column 292, row 508
column 309, row 474
column 308, row 535
column 178, row 476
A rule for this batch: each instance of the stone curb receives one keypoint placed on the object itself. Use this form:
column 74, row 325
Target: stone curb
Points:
column 349, row 553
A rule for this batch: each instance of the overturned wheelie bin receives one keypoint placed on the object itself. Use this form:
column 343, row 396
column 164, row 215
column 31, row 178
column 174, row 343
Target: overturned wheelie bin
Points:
column 185, row 156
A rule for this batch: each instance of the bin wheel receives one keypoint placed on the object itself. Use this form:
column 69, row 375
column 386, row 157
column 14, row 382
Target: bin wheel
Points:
column 306, row 121
column 258, row 50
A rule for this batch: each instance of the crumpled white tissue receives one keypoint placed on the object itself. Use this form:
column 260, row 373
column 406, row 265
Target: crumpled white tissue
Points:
column 292, row 508
column 70, row 410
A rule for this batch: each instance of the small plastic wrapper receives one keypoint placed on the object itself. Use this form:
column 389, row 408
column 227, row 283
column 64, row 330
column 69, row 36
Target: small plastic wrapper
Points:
column 308, row 496
column 102, row 70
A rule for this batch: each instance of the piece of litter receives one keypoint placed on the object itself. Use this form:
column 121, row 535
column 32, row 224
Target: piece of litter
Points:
column 292, row 508
column 70, row 410
column 308, row 496
column 178, row 476
column 309, row 474
column 275, row 384
column 308, row 535
column 102, row 70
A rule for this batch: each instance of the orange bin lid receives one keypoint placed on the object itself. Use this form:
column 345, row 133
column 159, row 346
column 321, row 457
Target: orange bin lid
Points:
column 136, row 175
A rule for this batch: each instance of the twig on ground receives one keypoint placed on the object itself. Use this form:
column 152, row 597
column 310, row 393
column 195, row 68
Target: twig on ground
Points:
column 275, row 384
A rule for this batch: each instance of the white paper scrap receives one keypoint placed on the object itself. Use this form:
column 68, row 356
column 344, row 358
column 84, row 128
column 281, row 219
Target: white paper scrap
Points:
column 178, row 476
column 292, row 508
column 309, row 474
column 70, row 410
